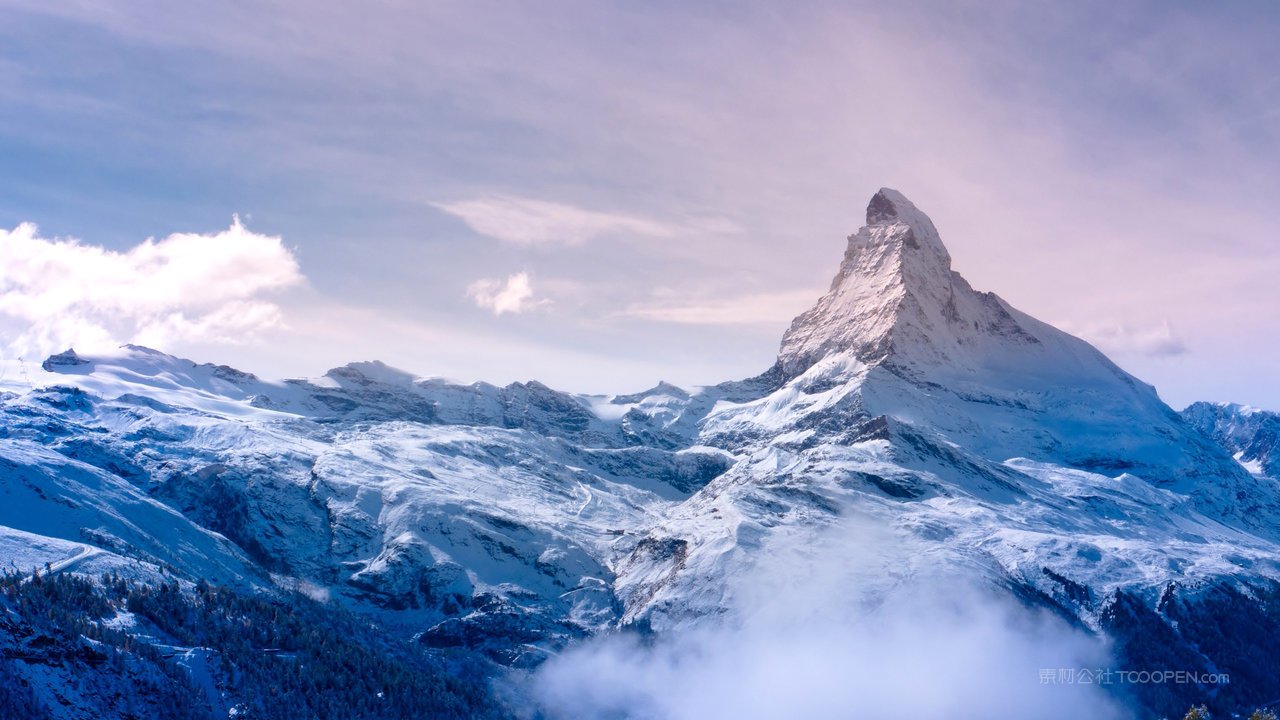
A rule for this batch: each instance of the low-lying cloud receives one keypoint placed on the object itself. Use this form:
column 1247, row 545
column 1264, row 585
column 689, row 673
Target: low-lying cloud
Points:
column 855, row 625
column 56, row 293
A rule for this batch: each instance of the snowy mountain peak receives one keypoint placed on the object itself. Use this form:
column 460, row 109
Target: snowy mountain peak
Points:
column 889, row 207
column 65, row 359
column 914, row 342
column 369, row 373
column 894, row 285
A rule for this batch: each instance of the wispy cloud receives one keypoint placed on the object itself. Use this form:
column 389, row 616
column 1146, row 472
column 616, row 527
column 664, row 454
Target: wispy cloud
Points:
column 1125, row 339
column 187, row 286
column 525, row 221
column 766, row 308
column 513, row 295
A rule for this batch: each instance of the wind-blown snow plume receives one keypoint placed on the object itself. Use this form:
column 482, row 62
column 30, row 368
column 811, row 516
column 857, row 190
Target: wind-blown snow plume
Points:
column 854, row 623
column 187, row 286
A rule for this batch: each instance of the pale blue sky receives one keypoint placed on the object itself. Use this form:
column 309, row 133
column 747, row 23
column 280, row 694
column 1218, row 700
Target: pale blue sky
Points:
column 649, row 191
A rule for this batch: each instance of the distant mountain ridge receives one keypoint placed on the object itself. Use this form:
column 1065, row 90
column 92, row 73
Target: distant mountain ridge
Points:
column 1250, row 434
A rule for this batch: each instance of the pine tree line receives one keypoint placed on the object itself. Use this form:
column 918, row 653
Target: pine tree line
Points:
column 283, row 656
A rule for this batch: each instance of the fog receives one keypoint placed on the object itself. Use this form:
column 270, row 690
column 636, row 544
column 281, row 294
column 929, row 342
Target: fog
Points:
column 854, row 621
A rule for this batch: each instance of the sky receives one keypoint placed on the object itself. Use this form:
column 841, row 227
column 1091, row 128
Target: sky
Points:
column 601, row 195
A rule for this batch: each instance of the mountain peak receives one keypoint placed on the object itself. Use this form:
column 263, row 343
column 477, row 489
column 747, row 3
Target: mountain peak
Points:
column 368, row 373
column 896, row 272
column 888, row 206
column 59, row 362
column 917, row 343
column 889, row 209
column 882, row 208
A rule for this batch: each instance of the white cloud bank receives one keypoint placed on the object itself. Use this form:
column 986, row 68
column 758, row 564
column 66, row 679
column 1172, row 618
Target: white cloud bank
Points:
column 856, row 624
column 525, row 221
column 58, row 293
column 513, row 295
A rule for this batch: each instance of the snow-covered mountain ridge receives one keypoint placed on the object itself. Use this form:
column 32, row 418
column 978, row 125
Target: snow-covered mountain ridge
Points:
column 418, row 497
column 515, row 519
column 1250, row 434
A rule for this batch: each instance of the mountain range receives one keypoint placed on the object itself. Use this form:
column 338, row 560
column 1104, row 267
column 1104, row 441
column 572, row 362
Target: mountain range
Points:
column 506, row 524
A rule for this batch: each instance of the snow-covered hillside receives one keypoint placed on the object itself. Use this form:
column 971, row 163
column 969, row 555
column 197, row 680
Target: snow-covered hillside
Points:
column 457, row 511
column 514, row 519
